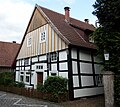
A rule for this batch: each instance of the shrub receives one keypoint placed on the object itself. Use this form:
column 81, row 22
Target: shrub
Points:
column 6, row 78
column 55, row 85
column 40, row 87
column 53, row 88
column 19, row 84
column 117, row 90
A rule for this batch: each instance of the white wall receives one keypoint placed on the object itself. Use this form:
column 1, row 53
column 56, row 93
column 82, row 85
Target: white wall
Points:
column 74, row 53
column 53, row 67
column 75, row 81
column 44, row 76
column 63, row 74
column 88, row 92
column 63, row 55
column 42, row 58
column 35, row 59
column 86, row 68
column 33, row 77
column 17, row 63
column 87, row 81
column 85, row 63
column 17, row 68
column 85, row 55
column 27, row 68
column 63, row 66
column 74, row 67
column 98, row 68
column 17, row 76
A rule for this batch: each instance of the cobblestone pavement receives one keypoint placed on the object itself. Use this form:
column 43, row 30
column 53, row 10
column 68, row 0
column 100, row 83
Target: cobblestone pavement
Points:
column 13, row 100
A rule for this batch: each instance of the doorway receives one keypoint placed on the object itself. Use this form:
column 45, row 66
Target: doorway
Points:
column 39, row 77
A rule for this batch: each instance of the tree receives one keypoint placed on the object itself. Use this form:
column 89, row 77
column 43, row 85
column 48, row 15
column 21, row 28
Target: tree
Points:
column 108, row 14
column 107, row 37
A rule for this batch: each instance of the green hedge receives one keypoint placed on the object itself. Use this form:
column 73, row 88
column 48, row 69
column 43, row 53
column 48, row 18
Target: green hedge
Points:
column 117, row 89
column 55, row 86
column 6, row 78
column 19, row 84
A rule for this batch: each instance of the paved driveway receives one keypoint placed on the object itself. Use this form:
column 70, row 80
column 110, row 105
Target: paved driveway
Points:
column 13, row 100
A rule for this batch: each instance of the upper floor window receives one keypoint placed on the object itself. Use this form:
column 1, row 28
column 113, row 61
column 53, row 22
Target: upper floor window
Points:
column 26, row 61
column 29, row 41
column 43, row 36
column 27, row 78
column 54, row 57
column 91, row 39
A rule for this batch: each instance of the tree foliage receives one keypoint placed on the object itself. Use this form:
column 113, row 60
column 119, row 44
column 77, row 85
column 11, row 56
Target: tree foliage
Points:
column 107, row 37
column 110, row 42
column 108, row 14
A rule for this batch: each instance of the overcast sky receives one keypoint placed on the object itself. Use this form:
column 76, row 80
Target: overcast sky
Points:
column 15, row 14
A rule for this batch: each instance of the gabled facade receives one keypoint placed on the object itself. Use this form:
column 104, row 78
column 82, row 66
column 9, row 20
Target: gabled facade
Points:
column 8, row 52
column 55, row 44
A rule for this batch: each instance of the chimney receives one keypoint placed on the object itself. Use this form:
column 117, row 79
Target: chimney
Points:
column 14, row 41
column 67, row 14
column 86, row 21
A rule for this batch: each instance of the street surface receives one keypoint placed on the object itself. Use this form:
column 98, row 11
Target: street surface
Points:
column 13, row 100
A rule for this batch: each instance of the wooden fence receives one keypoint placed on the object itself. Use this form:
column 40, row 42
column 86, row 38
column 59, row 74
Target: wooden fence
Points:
column 34, row 93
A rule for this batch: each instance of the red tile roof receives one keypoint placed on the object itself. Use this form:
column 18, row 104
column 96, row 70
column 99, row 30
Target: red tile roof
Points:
column 73, row 32
column 8, row 52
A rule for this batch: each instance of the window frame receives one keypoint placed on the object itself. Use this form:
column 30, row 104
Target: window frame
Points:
column 39, row 67
column 91, row 40
column 54, row 56
column 22, row 80
column 26, row 78
column 29, row 41
column 43, row 36
column 22, row 75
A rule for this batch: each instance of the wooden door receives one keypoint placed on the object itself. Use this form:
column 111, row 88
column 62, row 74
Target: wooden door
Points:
column 39, row 77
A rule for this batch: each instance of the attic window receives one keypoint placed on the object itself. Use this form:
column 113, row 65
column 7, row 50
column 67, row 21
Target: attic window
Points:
column 91, row 39
column 29, row 41
column 43, row 36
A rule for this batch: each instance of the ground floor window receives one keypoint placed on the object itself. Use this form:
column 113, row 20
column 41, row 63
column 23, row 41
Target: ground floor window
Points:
column 53, row 74
column 27, row 78
column 21, row 78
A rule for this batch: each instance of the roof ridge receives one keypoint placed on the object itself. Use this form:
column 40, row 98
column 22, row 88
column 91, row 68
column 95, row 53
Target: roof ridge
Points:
column 49, row 9
column 63, row 15
column 9, row 42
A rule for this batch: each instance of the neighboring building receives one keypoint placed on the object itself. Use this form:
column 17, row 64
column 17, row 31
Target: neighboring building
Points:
column 56, row 44
column 8, row 52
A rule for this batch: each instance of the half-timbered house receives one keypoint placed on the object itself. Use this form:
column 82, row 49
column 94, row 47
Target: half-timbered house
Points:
column 58, row 45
